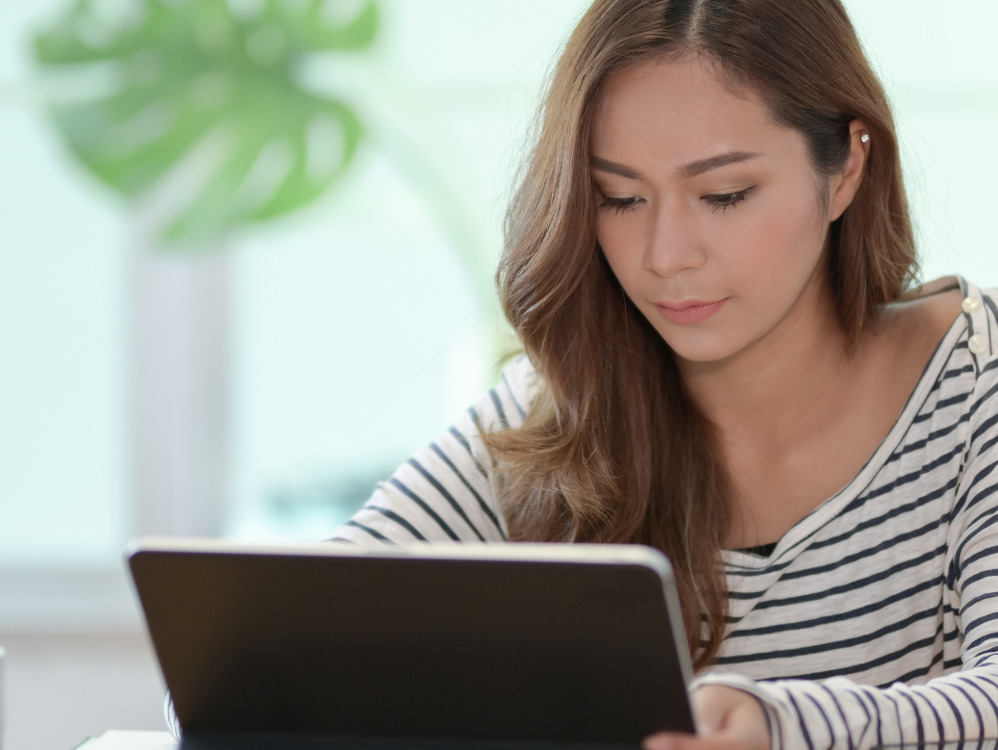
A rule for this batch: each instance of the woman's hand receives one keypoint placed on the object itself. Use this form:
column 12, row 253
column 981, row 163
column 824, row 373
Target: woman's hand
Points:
column 727, row 719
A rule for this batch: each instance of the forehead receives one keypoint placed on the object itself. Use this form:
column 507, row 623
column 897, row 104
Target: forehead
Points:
column 680, row 110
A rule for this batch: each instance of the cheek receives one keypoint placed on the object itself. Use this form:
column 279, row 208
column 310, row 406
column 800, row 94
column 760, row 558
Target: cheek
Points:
column 786, row 238
column 623, row 239
column 608, row 232
column 619, row 246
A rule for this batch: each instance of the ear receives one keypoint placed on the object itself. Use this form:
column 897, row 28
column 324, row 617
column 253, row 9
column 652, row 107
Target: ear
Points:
column 846, row 183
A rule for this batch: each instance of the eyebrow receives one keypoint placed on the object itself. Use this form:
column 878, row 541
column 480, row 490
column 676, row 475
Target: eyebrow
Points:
column 715, row 162
column 605, row 165
column 689, row 170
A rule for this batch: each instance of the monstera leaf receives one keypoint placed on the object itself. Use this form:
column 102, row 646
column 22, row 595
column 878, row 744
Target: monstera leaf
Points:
column 203, row 95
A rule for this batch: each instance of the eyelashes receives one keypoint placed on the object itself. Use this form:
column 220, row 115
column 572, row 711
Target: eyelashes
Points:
column 724, row 201
column 715, row 201
column 620, row 205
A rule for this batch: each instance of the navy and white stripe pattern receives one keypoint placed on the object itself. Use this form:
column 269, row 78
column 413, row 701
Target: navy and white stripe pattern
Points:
column 875, row 619
column 444, row 492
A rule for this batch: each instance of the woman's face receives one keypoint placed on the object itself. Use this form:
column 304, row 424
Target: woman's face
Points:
column 710, row 213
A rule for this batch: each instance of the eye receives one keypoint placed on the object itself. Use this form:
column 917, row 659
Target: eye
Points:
column 620, row 205
column 724, row 201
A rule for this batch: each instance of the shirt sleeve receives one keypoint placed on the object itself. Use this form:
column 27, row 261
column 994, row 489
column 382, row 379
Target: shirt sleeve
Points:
column 445, row 491
column 961, row 705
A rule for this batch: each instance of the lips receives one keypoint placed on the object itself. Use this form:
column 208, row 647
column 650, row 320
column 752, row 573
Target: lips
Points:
column 693, row 311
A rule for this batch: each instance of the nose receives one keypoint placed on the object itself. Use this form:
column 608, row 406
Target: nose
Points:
column 674, row 243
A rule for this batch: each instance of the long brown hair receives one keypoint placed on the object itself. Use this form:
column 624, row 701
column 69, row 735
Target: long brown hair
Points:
column 613, row 449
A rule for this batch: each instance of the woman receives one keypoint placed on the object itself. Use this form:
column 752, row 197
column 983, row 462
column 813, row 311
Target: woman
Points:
column 711, row 267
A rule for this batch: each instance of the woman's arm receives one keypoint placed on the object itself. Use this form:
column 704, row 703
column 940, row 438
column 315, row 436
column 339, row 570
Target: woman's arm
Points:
column 444, row 491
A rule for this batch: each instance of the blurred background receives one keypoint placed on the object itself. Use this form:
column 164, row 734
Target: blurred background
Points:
column 246, row 255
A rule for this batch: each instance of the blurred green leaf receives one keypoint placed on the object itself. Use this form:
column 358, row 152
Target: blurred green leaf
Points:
column 210, row 82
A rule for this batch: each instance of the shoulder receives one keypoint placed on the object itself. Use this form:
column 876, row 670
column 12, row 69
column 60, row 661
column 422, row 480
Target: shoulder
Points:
column 966, row 377
column 506, row 405
column 937, row 348
column 979, row 308
column 445, row 491
column 978, row 347
column 949, row 313
column 974, row 326
column 520, row 376
column 926, row 312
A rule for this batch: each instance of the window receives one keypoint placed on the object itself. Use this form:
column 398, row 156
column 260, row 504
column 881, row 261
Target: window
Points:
column 258, row 389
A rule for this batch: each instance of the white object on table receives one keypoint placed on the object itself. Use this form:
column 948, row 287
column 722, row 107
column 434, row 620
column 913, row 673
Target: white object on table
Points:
column 117, row 739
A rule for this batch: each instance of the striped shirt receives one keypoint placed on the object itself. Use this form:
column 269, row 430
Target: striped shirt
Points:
column 875, row 618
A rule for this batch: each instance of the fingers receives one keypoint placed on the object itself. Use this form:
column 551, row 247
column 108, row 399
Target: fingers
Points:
column 714, row 706
column 727, row 718
column 670, row 741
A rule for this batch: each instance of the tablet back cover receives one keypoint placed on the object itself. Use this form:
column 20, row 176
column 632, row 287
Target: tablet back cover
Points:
column 367, row 646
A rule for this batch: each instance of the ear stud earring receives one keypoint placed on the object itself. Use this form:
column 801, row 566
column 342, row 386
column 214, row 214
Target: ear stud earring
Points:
column 865, row 137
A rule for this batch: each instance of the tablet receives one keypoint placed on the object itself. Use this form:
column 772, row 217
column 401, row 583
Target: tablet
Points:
column 486, row 643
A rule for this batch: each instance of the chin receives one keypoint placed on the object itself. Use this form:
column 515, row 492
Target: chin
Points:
column 701, row 352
